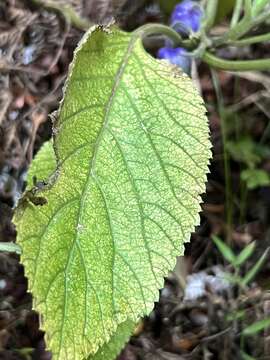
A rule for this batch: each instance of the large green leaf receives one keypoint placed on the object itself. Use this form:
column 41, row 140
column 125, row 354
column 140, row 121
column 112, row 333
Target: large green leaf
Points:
column 42, row 168
column 132, row 153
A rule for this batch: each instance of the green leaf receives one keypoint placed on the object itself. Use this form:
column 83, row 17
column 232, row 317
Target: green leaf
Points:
column 110, row 350
column 245, row 254
column 253, row 271
column 244, row 150
column 245, row 356
column 240, row 314
column 256, row 327
column 255, row 178
column 225, row 250
column 43, row 165
column 132, row 149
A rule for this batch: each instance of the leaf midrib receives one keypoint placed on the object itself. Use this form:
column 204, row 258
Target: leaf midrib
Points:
column 91, row 173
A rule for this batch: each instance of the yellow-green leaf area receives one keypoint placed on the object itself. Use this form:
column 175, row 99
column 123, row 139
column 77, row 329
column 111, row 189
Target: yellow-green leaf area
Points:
column 132, row 149
column 43, row 165
column 110, row 350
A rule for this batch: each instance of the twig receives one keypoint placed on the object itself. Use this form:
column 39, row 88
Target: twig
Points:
column 213, row 337
column 6, row 100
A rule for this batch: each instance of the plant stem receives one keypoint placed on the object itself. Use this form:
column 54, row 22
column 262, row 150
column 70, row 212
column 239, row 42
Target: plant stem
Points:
column 236, row 13
column 150, row 29
column 266, row 133
column 238, row 30
column 210, row 14
column 67, row 11
column 210, row 59
column 153, row 29
column 243, row 201
column 236, row 65
column 257, row 8
column 227, row 172
column 248, row 9
column 251, row 40
column 244, row 26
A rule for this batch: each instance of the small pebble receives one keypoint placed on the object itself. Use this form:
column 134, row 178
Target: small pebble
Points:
column 28, row 53
column 3, row 284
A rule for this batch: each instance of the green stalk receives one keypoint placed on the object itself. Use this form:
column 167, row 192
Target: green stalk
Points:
column 236, row 13
column 210, row 14
column 154, row 29
column 266, row 133
column 248, row 9
column 251, row 40
column 236, row 65
column 151, row 29
column 243, row 201
column 238, row 132
column 227, row 171
column 234, row 33
column 243, row 27
column 207, row 57
column 259, row 7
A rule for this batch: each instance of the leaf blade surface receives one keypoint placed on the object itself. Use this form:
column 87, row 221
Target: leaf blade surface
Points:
column 132, row 152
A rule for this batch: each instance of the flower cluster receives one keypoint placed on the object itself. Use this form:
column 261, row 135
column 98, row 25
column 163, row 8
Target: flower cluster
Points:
column 177, row 56
column 185, row 19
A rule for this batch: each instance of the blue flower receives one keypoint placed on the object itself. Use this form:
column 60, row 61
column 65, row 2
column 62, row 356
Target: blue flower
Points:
column 186, row 17
column 177, row 56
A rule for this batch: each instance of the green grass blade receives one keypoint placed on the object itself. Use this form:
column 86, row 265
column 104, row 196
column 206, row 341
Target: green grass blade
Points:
column 245, row 254
column 253, row 271
column 256, row 327
column 224, row 249
column 245, row 356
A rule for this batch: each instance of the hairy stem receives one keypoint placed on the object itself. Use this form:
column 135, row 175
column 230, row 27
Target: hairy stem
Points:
column 152, row 29
column 236, row 65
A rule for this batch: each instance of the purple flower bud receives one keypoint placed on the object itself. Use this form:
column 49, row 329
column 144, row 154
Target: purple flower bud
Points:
column 176, row 56
column 186, row 17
